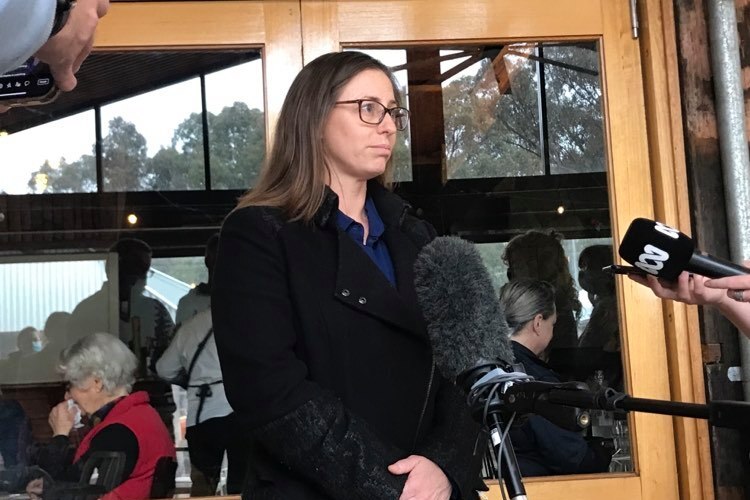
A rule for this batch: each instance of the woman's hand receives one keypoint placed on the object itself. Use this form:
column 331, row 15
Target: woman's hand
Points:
column 426, row 481
column 689, row 289
column 35, row 488
column 736, row 287
column 61, row 419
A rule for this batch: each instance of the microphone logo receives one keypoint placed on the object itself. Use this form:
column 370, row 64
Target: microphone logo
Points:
column 666, row 230
column 653, row 258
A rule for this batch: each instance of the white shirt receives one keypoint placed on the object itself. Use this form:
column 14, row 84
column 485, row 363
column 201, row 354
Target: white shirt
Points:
column 25, row 25
column 196, row 300
column 206, row 370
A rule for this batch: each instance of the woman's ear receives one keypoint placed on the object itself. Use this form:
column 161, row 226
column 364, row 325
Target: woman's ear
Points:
column 537, row 323
column 98, row 386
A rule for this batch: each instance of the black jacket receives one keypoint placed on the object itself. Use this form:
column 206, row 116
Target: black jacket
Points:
column 327, row 364
column 544, row 449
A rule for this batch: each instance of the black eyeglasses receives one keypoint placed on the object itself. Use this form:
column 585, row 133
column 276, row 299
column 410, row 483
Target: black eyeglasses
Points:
column 373, row 112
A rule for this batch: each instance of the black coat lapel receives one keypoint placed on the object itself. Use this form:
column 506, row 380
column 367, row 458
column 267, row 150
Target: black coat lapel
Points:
column 361, row 285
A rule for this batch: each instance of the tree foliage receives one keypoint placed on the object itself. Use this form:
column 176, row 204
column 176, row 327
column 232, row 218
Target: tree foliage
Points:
column 489, row 133
column 237, row 147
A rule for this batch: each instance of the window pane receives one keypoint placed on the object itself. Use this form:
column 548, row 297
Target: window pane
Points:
column 574, row 109
column 56, row 157
column 37, row 299
column 236, row 125
column 154, row 141
column 394, row 58
column 491, row 113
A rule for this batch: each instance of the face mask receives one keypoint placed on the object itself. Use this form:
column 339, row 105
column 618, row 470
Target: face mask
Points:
column 36, row 345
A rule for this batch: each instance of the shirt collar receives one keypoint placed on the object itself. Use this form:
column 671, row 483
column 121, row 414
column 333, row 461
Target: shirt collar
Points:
column 377, row 227
column 102, row 412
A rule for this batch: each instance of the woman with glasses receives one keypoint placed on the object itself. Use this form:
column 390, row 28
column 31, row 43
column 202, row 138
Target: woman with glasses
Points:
column 100, row 372
column 323, row 348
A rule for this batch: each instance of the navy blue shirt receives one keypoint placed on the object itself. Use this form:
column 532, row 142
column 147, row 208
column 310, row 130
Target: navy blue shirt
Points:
column 375, row 247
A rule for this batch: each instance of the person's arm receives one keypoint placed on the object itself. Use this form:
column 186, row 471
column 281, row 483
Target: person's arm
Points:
column 295, row 420
column 66, row 51
column 736, row 293
column 698, row 290
column 163, row 333
column 170, row 363
column 24, row 27
column 118, row 438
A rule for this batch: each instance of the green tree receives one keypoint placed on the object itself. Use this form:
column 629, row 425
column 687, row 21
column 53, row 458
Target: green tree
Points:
column 237, row 148
column 490, row 134
column 76, row 177
column 124, row 157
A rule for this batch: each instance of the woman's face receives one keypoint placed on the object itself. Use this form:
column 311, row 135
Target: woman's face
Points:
column 356, row 150
column 546, row 329
column 87, row 394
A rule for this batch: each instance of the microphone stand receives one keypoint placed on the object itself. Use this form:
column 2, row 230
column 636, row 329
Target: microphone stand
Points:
column 529, row 397
column 494, row 393
column 487, row 407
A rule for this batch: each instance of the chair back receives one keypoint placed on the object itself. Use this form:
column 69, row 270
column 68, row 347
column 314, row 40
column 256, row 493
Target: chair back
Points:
column 110, row 467
column 163, row 484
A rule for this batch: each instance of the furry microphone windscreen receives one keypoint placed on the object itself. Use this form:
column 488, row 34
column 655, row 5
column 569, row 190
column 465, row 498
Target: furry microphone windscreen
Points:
column 465, row 321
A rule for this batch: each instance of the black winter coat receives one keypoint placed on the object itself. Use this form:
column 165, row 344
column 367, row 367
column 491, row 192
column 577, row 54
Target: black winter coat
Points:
column 544, row 449
column 329, row 366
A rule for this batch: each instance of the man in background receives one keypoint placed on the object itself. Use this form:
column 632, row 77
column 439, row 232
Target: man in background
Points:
column 199, row 298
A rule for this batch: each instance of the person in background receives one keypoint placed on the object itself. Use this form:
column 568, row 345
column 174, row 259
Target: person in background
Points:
column 199, row 298
column 137, row 312
column 542, row 447
column 540, row 255
column 15, row 437
column 729, row 295
column 100, row 372
column 59, row 32
column 22, row 365
column 323, row 348
column 211, row 425
column 602, row 331
column 145, row 324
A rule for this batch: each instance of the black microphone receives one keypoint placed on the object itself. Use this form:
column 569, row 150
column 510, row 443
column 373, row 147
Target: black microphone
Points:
column 469, row 334
column 665, row 252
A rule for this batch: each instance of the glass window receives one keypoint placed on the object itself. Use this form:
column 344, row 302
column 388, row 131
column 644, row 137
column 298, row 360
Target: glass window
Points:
column 573, row 108
column 498, row 119
column 38, row 311
column 491, row 113
column 236, row 125
column 56, row 157
column 154, row 141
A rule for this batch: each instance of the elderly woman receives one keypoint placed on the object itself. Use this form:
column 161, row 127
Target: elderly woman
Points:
column 100, row 371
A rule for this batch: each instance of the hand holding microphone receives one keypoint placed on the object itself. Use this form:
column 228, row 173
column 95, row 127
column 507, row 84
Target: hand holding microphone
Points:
column 679, row 272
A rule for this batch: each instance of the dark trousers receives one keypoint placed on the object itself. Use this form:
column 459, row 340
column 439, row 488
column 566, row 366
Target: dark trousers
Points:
column 207, row 442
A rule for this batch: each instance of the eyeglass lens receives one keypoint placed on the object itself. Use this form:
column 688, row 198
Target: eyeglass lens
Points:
column 373, row 112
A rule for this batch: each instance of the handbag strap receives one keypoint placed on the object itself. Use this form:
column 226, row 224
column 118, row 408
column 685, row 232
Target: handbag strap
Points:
column 198, row 351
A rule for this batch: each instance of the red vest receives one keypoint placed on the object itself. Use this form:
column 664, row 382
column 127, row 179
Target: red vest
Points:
column 135, row 413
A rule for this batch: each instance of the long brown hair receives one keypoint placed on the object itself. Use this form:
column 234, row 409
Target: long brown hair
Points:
column 294, row 175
